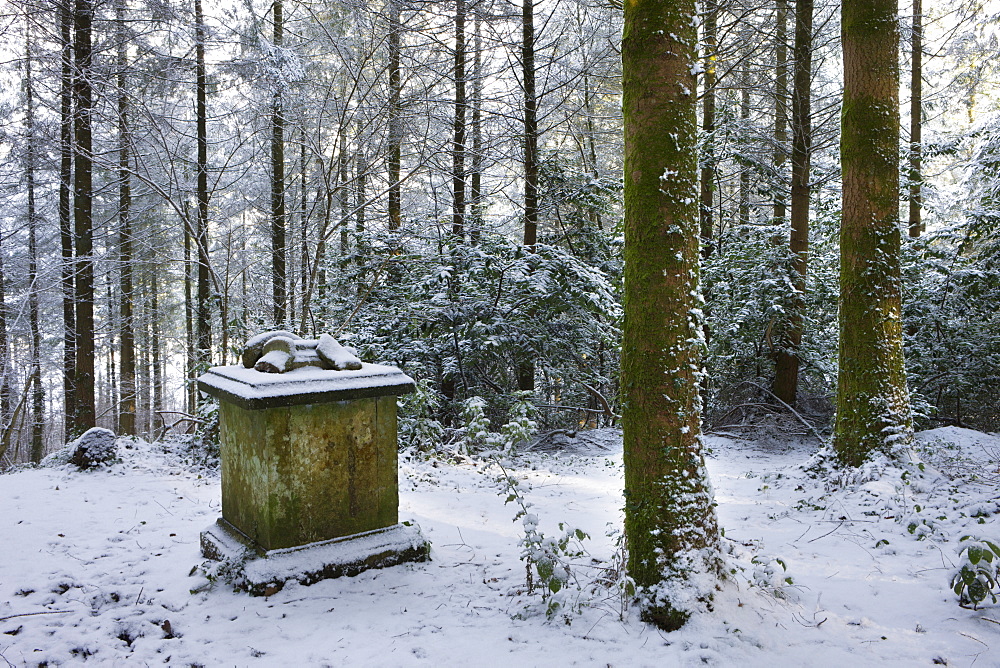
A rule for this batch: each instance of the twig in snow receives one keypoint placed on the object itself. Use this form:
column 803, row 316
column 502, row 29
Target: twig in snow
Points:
column 32, row 614
column 834, row 529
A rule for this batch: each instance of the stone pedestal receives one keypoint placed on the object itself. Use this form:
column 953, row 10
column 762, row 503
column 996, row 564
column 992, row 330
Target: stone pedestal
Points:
column 309, row 468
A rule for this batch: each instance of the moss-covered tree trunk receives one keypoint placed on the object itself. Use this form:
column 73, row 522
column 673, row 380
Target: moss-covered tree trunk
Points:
column 670, row 520
column 873, row 409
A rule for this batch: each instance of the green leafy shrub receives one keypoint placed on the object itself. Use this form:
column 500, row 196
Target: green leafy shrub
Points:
column 976, row 577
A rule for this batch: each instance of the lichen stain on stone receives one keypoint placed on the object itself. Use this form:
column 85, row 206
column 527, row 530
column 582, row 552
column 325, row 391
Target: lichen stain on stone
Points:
column 301, row 474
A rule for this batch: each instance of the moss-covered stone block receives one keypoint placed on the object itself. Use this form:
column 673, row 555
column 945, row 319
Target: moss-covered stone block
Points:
column 300, row 474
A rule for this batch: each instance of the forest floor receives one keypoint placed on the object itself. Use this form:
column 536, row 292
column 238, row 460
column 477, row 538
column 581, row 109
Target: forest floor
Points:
column 97, row 567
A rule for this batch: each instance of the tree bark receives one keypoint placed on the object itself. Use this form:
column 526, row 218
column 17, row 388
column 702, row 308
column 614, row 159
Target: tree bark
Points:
column 395, row 115
column 458, row 133
column 126, row 408
column 31, row 158
column 670, row 522
column 916, row 121
column 278, row 250
column 203, row 318
column 83, row 222
column 780, row 112
column 873, row 409
column 790, row 330
column 708, row 127
column 68, row 266
column 476, row 168
column 526, row 367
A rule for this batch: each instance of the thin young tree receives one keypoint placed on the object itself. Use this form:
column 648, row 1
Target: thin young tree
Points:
column 670, row 521
column 68, row 271
column 203, row 313
column 278, row 246
column 127, row 407
column 916, row 119
column 458, row 131
column 787, row 362
column 873, row 408
column 526, row 367
column 31, row 159
column 707, row 193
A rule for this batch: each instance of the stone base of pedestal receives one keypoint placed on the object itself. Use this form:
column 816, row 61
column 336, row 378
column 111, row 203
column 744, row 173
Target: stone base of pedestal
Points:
column 261, row 572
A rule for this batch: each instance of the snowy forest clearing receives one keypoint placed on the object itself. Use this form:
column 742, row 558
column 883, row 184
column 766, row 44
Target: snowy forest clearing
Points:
column 97, row 567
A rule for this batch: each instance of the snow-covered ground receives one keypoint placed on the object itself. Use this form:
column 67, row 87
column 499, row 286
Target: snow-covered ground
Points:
column 97, row 566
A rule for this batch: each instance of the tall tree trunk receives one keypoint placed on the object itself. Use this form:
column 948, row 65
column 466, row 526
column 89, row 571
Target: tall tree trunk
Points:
column 916, row 120
column 6, row 414
column 476, row 168
column 303, row 222
column 873, row 408
column 35, row 374
column 126, row 409
column 706, row 225
column 343, row 197
column 789, row 336
column 203, row 318
column 360, row 206
column 670, row 522
column 278, row 251
column 744, row 189
column 83, row 222
column 526, row 367
column 155, row 346
column 458, row 134
column 395, row 114
column 780, row 111
column 189, row 319
column 68, row 265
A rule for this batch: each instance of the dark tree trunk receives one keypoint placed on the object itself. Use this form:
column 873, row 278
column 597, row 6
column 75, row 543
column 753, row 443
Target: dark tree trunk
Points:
column 126, row 408
column 458, row 134
column 526, row 368
column 744, row 190
column 395, row 114
column 790, row 330
column 68, row 267
column 707, row 228
column 278, row 250
column 916, row 120
column 35, row 373
column 203, row 319
column 476, row 168
column 189, row 318
column 83, row 222
column 780, row 112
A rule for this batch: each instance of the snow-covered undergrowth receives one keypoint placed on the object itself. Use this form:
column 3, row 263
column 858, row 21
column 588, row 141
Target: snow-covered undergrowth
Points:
column 97, row 567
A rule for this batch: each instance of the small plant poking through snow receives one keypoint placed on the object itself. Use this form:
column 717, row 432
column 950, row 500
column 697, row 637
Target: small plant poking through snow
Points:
column 771, row 575
column 547, row 560
column 976, row 577
column 477, row 426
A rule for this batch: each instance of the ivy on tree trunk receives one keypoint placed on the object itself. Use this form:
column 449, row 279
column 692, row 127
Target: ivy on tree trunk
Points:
column 670, row 521
column 873, row 407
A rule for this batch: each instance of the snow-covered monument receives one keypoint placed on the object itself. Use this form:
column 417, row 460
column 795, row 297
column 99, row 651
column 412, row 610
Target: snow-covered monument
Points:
column 309, row 465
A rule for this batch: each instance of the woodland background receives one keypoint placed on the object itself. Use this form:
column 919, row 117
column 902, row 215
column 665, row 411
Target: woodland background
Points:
column 439, row 185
